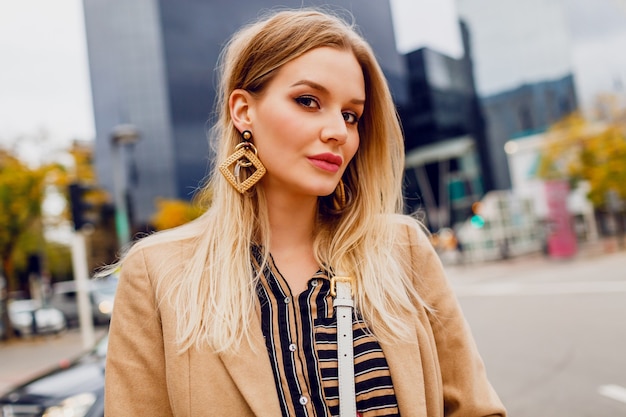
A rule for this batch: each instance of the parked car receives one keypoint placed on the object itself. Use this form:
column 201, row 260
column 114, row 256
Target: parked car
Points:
column 101, row 296
column 75, row 389
column 46, row 319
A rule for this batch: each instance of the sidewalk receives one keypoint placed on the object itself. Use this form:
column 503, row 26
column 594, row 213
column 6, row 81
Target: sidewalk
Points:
column 584, row 250
column 23, row 359
column 487, row 270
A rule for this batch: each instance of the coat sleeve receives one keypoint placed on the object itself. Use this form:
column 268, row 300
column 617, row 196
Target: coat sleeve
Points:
column 135, row 380
column 466, row 389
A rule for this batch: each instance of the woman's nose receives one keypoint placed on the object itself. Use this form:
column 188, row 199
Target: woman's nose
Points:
column 335, row 128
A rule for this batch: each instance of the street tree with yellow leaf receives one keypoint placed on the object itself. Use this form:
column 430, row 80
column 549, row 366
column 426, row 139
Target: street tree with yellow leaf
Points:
column 594, row 152
column 22, row 191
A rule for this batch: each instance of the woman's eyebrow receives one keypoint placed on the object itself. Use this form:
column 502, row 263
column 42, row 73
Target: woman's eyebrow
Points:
column 311, row 84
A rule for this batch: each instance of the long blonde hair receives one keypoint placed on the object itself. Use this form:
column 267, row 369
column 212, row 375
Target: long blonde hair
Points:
column 215, row 297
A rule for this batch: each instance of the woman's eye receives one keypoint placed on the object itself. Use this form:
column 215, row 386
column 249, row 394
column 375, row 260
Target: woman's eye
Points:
column 350, row 118
column 307, row 101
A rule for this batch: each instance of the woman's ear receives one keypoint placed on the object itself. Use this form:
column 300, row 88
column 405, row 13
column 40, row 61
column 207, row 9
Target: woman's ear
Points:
column 240, row 103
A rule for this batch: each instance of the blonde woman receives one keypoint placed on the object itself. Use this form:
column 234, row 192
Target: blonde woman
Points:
column 234, row 314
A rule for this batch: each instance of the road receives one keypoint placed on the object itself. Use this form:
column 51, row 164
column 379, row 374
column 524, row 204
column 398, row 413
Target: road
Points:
column 552, row 334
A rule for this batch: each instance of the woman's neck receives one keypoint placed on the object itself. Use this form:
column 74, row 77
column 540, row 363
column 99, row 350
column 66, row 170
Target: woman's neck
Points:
column 292, row 222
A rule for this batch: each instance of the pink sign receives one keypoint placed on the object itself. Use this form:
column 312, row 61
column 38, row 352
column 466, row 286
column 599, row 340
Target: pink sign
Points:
column 561, row 236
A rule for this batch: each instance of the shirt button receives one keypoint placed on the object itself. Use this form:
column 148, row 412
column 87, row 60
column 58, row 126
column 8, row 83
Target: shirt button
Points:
column 314, row 283
column 303, row 400
column 287, row 300
column 292, row 347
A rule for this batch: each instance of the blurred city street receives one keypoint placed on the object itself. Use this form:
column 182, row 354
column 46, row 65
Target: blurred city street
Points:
column 551, row 332
column 23, row 359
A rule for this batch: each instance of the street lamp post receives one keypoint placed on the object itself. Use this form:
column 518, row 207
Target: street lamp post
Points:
column 121, row 136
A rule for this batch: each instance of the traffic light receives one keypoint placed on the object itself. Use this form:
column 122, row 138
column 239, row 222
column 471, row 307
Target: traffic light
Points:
column 82, row 209
column 477, row 220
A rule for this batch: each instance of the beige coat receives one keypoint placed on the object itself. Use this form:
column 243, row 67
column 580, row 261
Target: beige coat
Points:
column 439, row 373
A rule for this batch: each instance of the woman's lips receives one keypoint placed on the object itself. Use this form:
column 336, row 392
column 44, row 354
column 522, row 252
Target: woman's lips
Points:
column 327, row 161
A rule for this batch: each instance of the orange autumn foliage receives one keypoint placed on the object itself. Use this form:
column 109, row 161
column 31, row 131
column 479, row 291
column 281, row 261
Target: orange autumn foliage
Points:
column 172, row 212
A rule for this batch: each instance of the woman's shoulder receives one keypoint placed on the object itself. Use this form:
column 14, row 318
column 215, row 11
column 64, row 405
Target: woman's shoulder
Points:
column 408, row 230
column 163, row 248
column 412, row 243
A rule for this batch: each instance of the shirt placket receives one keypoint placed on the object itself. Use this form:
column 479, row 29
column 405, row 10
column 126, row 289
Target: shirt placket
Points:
column 291, row 349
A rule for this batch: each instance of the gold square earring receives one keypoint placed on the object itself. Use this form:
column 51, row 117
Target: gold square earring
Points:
column 242, row 159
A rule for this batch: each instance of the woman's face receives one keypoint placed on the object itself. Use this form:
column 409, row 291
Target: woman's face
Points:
column 304, row 124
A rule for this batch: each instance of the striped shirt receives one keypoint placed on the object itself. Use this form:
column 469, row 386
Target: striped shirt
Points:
column 301, row 338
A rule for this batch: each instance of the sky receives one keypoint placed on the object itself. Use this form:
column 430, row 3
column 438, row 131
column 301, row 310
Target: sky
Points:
column 598, row 33
column 431, row 23
column 44, row 78
column 44, row 81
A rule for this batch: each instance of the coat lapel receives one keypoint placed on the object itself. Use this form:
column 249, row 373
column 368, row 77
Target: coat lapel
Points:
column 250, row 369
column 405, row 365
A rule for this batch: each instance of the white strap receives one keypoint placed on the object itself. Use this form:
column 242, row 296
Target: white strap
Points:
column 341, row 289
